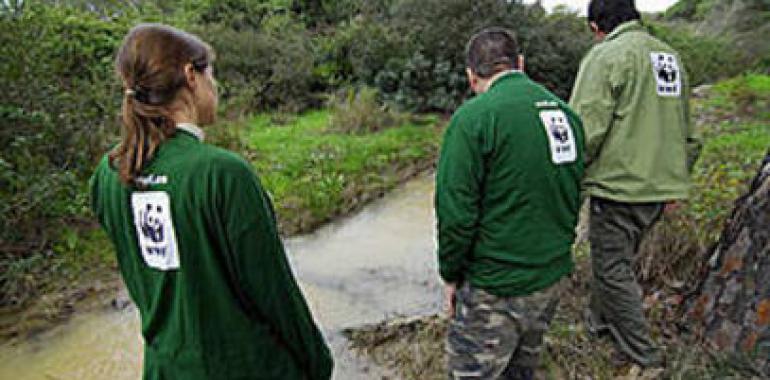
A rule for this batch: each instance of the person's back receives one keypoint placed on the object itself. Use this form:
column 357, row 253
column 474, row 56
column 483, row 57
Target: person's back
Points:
column 195, row 234
column 529, row 182
column 507, row 200
column 638, row 155
column 632, row 95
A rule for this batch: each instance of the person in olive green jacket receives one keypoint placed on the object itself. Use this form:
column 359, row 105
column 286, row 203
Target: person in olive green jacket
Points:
column 194, row 231
column 632, row 94
column 507, row 200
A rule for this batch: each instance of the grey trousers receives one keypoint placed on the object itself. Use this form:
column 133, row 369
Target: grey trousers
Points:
column 616, row 230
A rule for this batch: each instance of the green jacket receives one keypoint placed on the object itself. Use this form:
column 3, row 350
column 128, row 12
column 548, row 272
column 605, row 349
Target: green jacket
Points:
column 632, row 95
column 508, row 188
column 201, row 258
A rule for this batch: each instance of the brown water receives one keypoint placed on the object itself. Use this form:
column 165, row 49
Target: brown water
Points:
column 375, row 265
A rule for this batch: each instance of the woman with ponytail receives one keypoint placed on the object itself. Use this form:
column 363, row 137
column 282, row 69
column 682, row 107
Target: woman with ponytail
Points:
column 194, row 231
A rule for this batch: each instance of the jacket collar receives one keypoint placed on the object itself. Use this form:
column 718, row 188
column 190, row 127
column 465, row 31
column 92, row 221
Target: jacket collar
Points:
column 504, row 76
column 192, row 129
column 625, row 27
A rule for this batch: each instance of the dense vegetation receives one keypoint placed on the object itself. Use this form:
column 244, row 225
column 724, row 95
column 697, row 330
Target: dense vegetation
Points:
column 58, row 110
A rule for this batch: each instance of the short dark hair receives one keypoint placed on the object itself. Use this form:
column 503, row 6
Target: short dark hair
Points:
column 491, row 51
column 608, row 14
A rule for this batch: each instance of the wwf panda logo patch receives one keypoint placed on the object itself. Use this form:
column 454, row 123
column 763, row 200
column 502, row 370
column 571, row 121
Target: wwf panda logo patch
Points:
column 155, row 229
column 561, row 140
column 668, row 76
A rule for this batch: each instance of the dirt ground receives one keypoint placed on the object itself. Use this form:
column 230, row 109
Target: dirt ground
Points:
column 415, row 347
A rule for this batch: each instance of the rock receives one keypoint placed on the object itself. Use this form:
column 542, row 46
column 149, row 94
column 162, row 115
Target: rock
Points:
column 702, row 91
column 121, row 300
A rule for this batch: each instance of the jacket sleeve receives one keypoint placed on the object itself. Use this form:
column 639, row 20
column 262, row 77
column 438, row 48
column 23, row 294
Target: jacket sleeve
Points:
column 262, row 271
column 693, row 139
column 593, row 100
column 94, row 188
column 457, row 202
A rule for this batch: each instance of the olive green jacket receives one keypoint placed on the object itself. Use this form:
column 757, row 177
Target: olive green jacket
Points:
column 632, row 95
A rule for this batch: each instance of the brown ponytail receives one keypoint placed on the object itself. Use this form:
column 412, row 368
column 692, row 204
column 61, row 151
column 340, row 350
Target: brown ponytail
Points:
column 151, row 65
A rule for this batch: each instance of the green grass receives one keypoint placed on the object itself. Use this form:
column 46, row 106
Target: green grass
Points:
column 315, row 173
column 744, row 97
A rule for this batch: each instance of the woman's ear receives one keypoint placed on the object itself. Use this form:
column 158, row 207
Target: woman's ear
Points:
column 189, row 73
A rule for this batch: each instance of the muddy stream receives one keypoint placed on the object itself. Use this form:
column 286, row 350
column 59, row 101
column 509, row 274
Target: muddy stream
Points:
column 362, row 269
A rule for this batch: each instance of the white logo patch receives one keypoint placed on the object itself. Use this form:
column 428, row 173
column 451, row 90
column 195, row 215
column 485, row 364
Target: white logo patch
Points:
column 560, row 136
column 155, row 229
column 667, row 74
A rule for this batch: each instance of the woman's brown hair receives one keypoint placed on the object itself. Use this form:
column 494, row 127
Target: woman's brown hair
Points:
column 151, row 63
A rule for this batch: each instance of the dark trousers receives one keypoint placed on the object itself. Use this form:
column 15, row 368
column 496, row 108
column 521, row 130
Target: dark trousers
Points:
column 616, row 230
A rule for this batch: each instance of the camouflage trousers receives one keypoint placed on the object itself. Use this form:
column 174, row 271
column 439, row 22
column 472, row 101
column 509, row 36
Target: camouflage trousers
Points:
column 493, row 337
column 615, row 232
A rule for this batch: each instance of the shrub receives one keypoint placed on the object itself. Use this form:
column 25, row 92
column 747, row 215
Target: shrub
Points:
column 553, row 60
column 425, row 71
column 431, row 75
column 57, row 107
column 359, row 112
column 357, row 51
column 263, row 69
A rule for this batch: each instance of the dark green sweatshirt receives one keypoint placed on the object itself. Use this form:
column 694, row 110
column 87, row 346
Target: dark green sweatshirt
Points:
column 201, row 258
column 508, row 189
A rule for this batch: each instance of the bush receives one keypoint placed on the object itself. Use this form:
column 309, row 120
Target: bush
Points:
column 57, row 107
column 263, row 69
column 431, row 74
column 420, row 64
column 359, row 112
column 357, row 51
column 553, row 60
column 57, row 110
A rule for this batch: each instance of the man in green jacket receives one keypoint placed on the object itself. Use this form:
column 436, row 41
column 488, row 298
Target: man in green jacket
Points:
column 632, row 95
column 507, row 199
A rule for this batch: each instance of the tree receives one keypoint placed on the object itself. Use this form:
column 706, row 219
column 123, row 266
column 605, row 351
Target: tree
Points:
column 730, row 311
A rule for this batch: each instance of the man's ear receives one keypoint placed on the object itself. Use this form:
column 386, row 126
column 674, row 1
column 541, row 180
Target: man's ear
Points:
column 189, row 73
column 472, row 78
column 600, row 34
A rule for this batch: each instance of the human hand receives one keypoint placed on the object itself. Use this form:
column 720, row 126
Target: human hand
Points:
column 671, row 207
column 450, row 299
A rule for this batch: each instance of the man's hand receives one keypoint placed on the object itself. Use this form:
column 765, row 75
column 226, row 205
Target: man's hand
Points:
column 671, row 207
column 450, row 299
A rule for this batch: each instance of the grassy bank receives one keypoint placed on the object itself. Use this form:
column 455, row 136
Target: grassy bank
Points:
column 734, row 120
column 315, row 173
column 312, row 172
